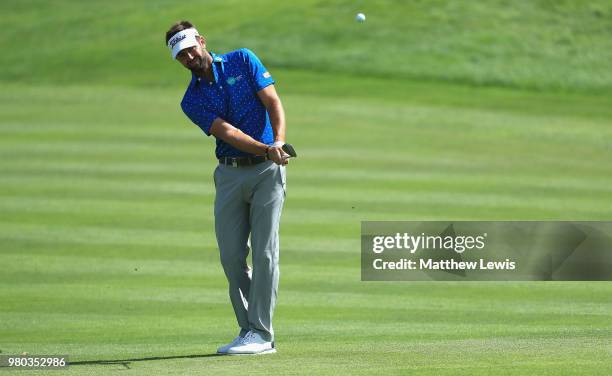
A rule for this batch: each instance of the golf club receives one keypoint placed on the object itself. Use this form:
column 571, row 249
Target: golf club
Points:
column 288, row 148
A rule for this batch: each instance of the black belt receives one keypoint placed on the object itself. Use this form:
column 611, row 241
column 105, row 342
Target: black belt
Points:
column 242, row 161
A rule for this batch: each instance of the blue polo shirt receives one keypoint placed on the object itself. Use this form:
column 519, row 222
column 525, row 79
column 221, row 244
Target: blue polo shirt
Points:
column 239, row 75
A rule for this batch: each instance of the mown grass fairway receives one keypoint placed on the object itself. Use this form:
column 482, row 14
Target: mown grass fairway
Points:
column 107, row 248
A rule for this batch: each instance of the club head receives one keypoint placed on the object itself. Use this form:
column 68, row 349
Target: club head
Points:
column 288, row 148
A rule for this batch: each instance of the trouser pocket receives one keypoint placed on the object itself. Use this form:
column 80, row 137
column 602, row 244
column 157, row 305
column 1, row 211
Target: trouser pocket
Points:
column 215, row 176
column 283, row 178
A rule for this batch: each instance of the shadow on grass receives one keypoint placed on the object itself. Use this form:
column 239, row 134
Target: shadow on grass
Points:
column 126, row 362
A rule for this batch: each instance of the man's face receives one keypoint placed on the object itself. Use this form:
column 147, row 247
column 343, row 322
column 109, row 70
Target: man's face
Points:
column 192, row 58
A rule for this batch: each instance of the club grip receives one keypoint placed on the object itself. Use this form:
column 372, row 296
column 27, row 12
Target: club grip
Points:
column 288, row 148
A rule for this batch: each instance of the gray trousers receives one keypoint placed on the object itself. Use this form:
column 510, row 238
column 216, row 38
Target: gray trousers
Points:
column 249, row 201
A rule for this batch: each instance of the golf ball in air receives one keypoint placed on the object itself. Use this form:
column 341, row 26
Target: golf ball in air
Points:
column 360, row 17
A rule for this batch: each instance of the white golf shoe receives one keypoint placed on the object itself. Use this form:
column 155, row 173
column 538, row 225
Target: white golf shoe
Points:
column 223, row 349
column 251, row 344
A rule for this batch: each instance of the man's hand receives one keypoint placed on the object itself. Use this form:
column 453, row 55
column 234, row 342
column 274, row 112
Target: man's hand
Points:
column 278, row 156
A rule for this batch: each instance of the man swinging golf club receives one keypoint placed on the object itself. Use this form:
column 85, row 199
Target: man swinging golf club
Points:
column 232, row 97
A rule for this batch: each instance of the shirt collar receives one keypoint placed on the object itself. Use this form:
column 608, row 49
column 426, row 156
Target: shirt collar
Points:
column 216, row 59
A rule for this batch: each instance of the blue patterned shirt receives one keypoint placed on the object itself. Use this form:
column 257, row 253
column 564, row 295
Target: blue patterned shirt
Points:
column 239, row 75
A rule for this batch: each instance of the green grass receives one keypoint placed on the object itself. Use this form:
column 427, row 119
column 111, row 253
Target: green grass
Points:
column 107, row 248
column 541, row 44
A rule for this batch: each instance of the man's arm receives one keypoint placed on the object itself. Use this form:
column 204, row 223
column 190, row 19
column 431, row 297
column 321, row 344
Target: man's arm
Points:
column 238, row 139
column 272, row 102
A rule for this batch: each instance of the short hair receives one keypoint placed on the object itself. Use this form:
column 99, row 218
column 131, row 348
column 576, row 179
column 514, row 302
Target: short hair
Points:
column 176, row 27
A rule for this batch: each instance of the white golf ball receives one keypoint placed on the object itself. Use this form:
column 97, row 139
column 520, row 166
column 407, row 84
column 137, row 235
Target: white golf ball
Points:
column 360, row 17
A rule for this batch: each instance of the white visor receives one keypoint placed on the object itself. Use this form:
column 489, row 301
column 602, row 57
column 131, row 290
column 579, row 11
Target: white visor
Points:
column 181, row 40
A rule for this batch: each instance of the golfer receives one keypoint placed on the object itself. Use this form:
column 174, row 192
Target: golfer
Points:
column 232, row 97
